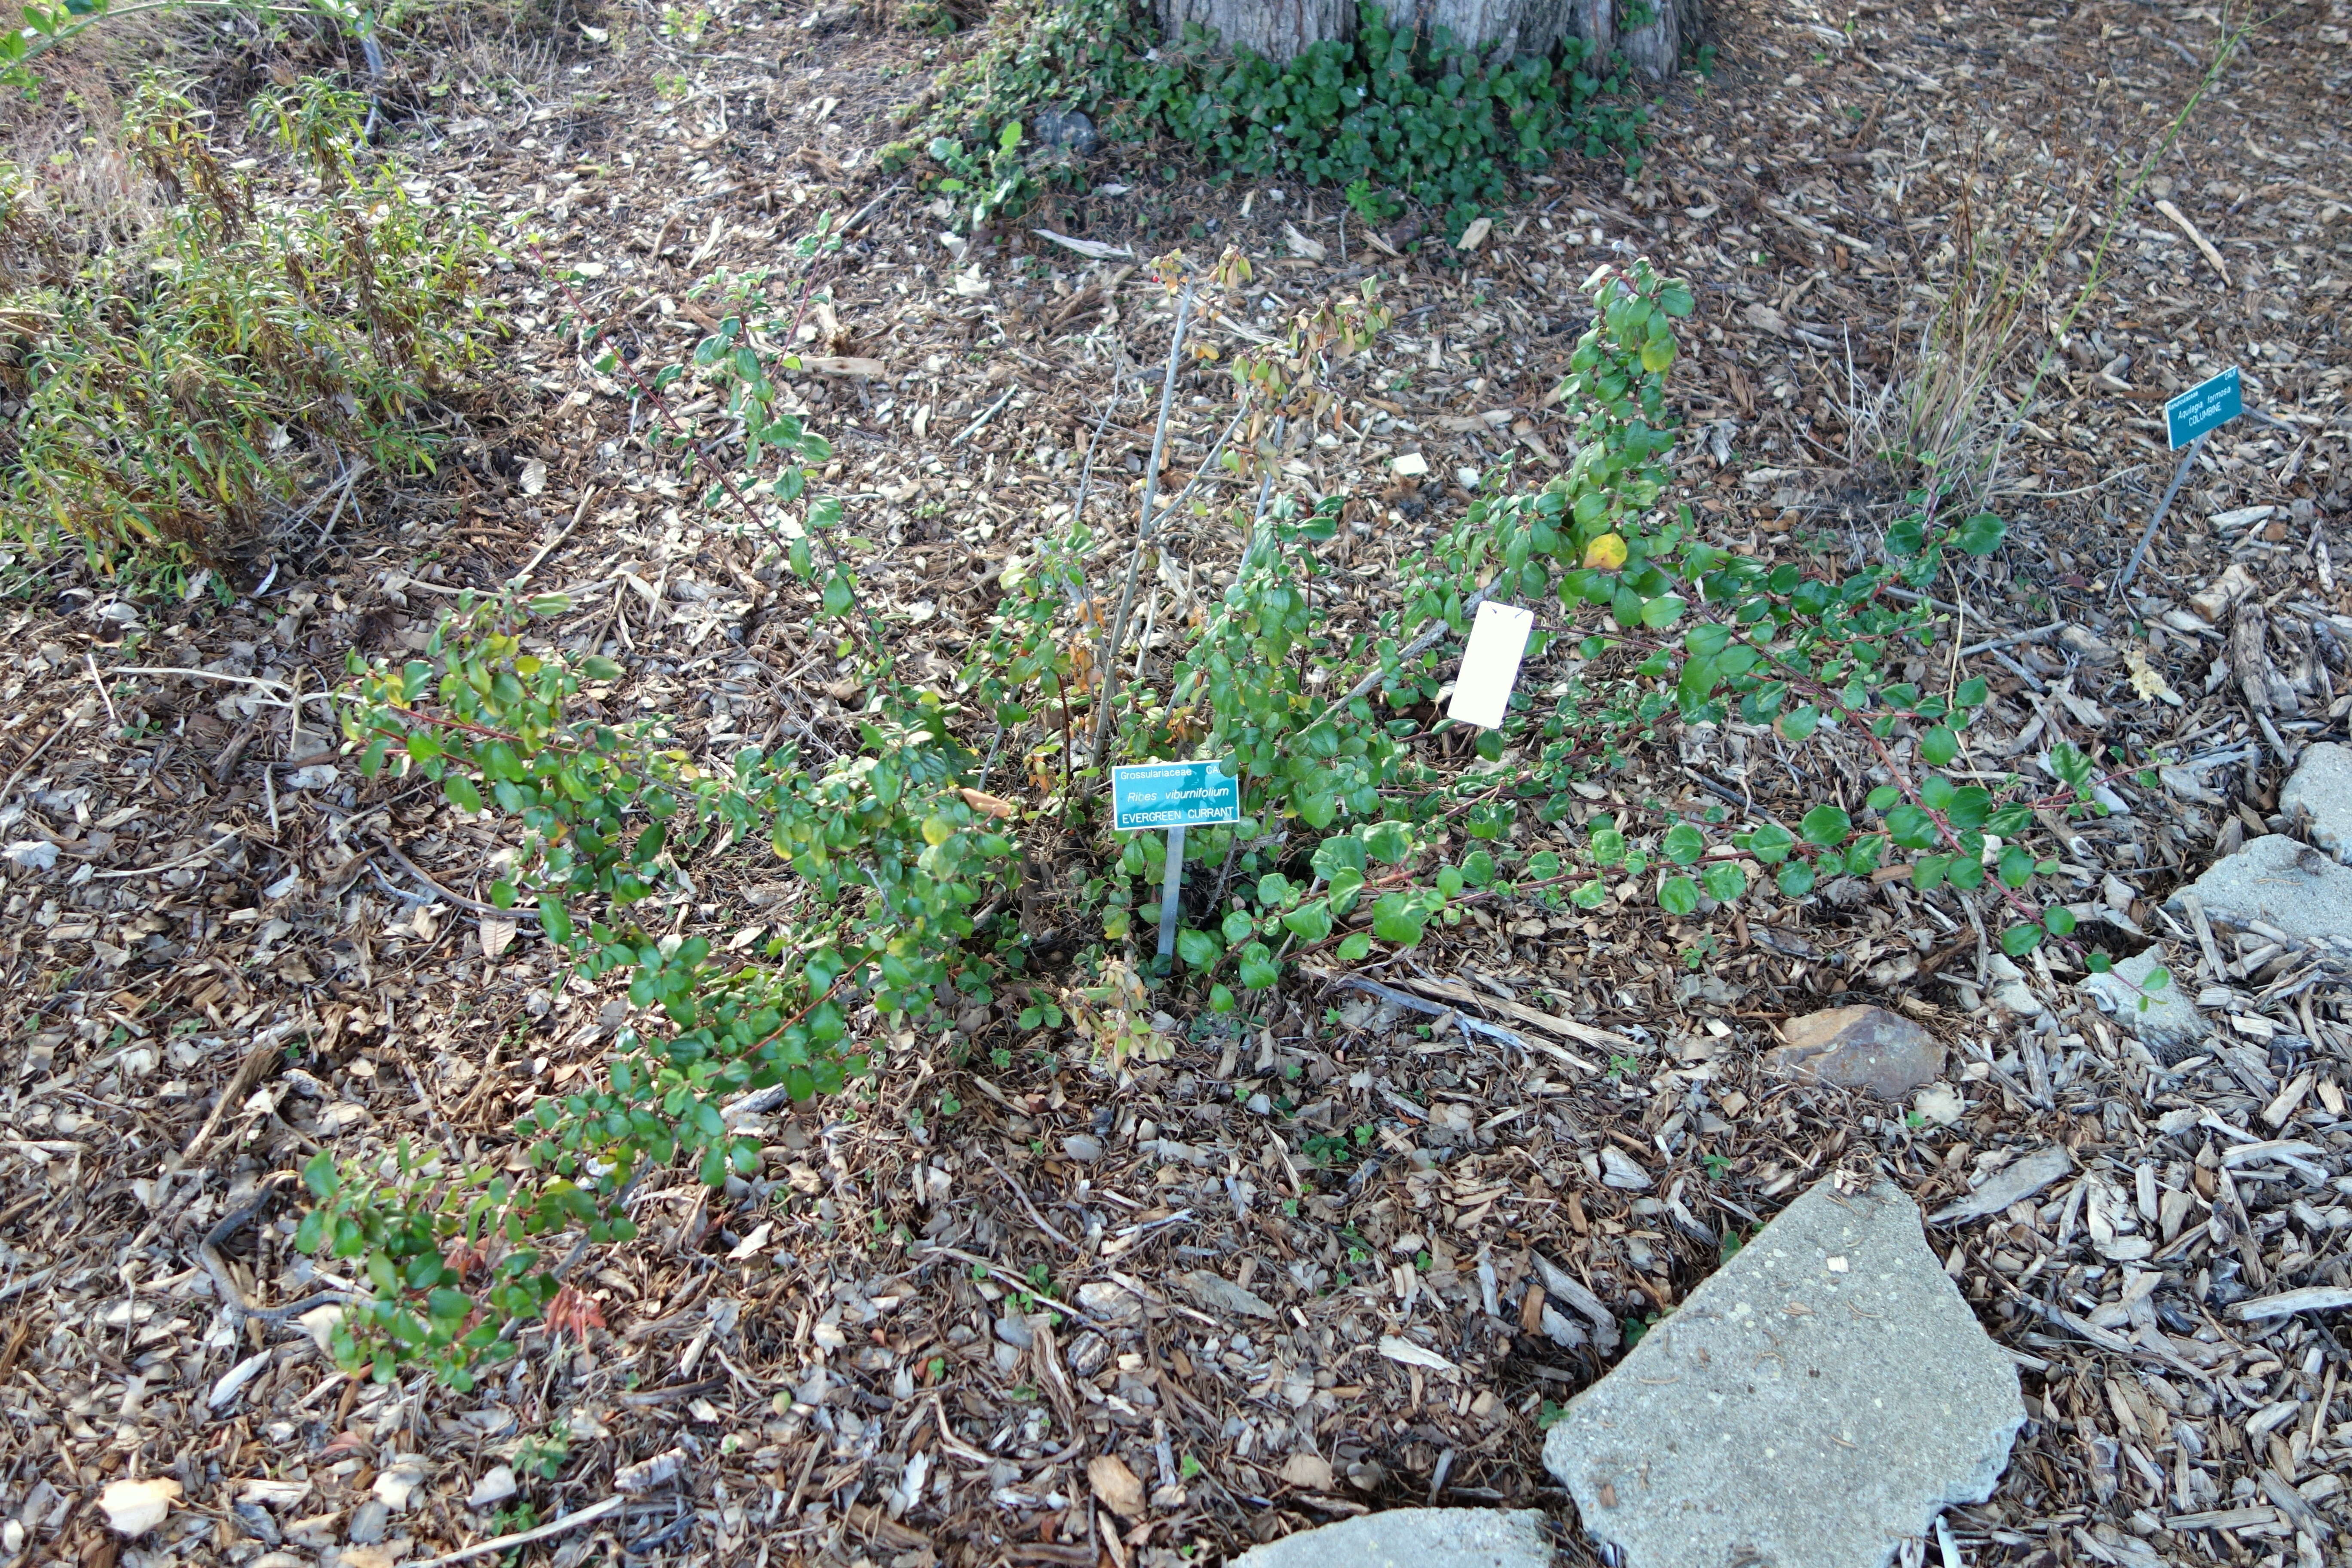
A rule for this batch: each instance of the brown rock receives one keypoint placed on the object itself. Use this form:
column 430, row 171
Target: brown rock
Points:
column 1859, row 1047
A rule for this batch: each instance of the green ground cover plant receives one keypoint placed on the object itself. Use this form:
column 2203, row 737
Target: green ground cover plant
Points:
column 1387, row 117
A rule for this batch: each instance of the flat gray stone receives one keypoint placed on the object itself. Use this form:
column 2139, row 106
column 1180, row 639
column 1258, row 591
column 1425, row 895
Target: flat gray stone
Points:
column 2320, row 795
column 1813, row 1403
column 2165, row 1019
column 1859, row 1047
column 2285, row 884
column 1414, row 1537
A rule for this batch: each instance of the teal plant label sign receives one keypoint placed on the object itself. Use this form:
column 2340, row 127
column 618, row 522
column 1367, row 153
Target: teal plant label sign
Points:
column 1172, row 794
column 2208, row 405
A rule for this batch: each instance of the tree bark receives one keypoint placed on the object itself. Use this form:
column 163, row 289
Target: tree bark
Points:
column 1499, row 29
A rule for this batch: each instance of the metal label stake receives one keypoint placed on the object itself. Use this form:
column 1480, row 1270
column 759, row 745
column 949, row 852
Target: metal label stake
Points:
column 1168, row 890
column 1173, row 796
column 2188, row 420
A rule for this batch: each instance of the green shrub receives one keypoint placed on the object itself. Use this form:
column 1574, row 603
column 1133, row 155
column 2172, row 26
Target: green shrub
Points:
column 1354, row 835
column 1386, row 117
column 174, row 390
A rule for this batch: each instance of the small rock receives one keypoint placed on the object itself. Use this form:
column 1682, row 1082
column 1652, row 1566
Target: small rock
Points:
column 495, row 1487
column 1221, row 1295
column 1860, row 1047
column 2167, row 1021
column 2286, row 885
column 1414, row 1537
column 1618, row 1170
column 1831, row 1357
column 134, row 1508
column 1069, row 129
column 2320, row 794
column 1083, row 1147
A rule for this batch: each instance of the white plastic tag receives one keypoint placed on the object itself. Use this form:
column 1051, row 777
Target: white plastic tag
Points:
column 1490, row 665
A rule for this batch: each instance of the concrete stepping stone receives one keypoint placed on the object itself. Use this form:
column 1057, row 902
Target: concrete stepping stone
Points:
column 1819, row 1399
column 2320, row 796
column 1415, row 1538
column 2283, row 884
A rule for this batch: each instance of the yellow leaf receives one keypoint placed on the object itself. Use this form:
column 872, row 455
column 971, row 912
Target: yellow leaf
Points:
column 1657, row 353
column 936, row 830
column 1605, row 553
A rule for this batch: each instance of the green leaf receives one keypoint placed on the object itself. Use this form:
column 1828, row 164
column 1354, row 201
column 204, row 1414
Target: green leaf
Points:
column 1310, row 922
column 1826, row 825
column 1981, row 535
column 1724, row 883
column 1388, row 842
column 1970, row 807
column 1796, row 880
column 1799, row 723
column 2019, row 941
column 1354, row 947
column 2098, row 963
column 1221, row 1000
column 1882, row 797
column 1398, row 918
column 1197, row 948
column 1939, row 746
column 1678, row 896
column 1684, row 844
column 319, row 1175
column 2059, row 922
column 461, row 792
column 1256, row 968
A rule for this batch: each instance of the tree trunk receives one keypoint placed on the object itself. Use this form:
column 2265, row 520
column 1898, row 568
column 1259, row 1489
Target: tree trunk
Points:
column 1499, row 29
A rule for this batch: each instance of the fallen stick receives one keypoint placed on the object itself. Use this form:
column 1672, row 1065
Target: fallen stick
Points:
column 606, row 1510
